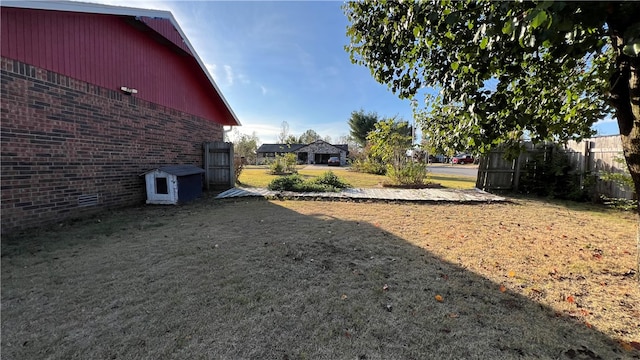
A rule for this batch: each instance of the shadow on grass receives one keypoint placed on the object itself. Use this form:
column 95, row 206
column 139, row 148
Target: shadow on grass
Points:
column 252, row 279
column 582, row 206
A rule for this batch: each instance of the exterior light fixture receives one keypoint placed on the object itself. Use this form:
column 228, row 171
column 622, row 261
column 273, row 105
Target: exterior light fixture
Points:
column 129, row 90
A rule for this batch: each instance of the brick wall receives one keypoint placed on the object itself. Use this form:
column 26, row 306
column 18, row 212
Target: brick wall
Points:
column 65, row 141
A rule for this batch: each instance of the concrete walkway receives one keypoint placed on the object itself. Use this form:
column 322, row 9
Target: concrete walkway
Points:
column 387, row 194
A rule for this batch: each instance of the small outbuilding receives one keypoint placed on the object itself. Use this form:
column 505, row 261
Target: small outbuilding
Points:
column 173, row 184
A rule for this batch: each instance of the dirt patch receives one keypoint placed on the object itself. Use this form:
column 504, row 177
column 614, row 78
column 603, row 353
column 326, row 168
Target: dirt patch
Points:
column 325, row 280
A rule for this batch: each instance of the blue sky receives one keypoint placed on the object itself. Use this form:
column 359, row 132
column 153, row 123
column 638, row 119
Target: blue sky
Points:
column 285, row 61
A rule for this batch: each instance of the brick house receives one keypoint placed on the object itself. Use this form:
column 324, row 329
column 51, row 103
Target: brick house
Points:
column 317, row 152
column 92, row 97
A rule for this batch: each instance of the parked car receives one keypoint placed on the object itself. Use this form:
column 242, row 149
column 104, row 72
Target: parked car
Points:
column 334, row 161
column 462, row 159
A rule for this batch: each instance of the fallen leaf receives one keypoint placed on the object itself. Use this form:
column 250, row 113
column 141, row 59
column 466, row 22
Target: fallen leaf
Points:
column 343, row 297
column 626, row 346
column 439, row 298
column 588, row 325
column 635, row 345
column 503, row 288
column 385, row 287
column 511, row 274
column 454, row 315
column 570, row 299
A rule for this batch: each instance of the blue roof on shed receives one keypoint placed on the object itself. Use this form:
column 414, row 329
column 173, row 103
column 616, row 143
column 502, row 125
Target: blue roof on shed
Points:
column 180, row 170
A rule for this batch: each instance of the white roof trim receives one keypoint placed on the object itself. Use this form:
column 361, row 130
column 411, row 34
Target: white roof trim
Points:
column 92, row 8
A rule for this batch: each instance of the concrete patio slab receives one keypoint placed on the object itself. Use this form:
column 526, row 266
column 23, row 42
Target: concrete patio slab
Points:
column 387, row 194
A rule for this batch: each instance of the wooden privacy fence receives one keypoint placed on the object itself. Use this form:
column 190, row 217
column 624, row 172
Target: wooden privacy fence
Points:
column 218, row 165
column 590, row 157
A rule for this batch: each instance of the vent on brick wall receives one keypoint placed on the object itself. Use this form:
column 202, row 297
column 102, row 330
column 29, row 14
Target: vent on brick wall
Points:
column 87, row 200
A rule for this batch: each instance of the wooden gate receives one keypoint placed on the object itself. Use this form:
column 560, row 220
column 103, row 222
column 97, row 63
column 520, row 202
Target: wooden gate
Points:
column 496, row 173
column 218, row 165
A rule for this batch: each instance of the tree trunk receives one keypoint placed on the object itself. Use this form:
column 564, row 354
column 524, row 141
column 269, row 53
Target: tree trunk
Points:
column 625, row 98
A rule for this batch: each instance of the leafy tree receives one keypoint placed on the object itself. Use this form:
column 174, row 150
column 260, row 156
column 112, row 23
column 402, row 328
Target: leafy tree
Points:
column 390, row 141
column 308, row 136
column 245, row 146
column 506, row 69
column 291, row 139
column 361, row 124
column 544, row 69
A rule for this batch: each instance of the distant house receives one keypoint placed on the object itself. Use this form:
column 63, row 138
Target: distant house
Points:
column 92, row 97
column 317, row 152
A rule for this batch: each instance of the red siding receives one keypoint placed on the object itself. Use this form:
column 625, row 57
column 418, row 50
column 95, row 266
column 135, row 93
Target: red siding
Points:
column 167, row 30
column 113, row 51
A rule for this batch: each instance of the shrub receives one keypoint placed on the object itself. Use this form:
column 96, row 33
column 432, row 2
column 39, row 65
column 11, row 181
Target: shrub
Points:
column 623, row 179
column 327, row 182
column 285, row 183
column 550, row 173
column 238, row 166
column 369, row 166
column 331, row 180
column 284, row 164
column 410, row 173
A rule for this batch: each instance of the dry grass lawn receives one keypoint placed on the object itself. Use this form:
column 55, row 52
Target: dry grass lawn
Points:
column 256, row 279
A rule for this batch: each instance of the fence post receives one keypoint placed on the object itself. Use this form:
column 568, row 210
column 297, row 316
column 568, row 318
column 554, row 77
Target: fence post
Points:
column 516, row 172
column 205, row 150
column 232, row 173
column 482, row 167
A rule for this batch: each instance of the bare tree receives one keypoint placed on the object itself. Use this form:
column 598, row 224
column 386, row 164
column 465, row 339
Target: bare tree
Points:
column 284, row 132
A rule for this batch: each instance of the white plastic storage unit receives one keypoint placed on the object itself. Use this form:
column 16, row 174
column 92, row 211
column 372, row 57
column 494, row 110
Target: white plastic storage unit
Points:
column 173, row 184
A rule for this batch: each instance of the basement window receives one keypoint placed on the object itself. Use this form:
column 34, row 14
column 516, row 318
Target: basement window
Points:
column 161, row 185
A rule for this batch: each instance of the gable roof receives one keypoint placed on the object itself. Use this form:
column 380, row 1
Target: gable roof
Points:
column 343, row 147
column 154, row 19
column 284, row 148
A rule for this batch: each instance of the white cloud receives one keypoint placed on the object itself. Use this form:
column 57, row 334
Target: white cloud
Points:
column 606, row 120
column 263, row 89
column 229, row 74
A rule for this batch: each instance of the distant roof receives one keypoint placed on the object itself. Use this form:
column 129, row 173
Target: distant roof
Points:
column 91, row 8
column 179, row 170
column 283, row 148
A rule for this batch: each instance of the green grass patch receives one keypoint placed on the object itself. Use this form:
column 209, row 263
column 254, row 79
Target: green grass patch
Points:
column 453, row 181
column 259, row 177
